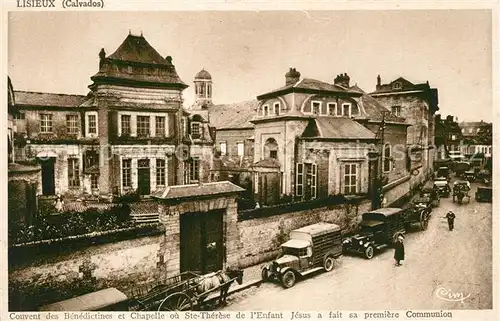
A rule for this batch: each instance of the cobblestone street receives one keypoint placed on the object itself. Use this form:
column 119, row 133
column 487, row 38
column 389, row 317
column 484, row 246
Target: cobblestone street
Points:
column 440, row 265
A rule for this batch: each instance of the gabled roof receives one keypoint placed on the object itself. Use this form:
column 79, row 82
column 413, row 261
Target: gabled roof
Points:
column 196, row 190
column 29, row 98
column 137, row 49
column 308, row 85
column 405, row 86
column 233, row 116
column 336, row 128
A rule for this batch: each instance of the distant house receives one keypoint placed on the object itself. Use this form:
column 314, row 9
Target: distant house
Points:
column 417, row 103
column 448, row 136
column 477, row 138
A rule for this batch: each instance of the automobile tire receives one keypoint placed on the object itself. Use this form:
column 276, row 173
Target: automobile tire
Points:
column 265, row 274
column 369, row 252
column 328, row 263
column 288, row 279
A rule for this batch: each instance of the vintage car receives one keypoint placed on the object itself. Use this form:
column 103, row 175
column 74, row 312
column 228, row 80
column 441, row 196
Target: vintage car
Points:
column 484, row 194
column 460, row 191
column 430, row 190
column 469, row 176
column 378, row 229
column 461, row 167
column 442, row 171
column 484, row 176
column 311, row 248
column 443, row 187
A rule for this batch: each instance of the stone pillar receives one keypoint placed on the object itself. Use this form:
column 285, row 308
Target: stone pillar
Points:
column 232, row 233
column 169, row 252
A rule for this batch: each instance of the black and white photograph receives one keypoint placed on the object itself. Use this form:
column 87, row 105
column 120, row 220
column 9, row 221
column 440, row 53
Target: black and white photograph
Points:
column 279, row 162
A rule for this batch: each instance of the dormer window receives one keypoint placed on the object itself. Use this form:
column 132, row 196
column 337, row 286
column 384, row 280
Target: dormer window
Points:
column 397, row 85
column 346, row 110
column 265, row 110
column 332, row 109
column 316, row 107
column 276, row 107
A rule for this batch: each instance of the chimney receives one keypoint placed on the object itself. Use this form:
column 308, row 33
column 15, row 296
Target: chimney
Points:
column 438, row 117
column 292, row 77
column 449, row 118
column 342, row 80
column 102, row 56
column 379, row 82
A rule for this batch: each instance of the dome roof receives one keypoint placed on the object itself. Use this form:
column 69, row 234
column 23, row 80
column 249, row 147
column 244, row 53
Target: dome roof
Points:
column 203, row 74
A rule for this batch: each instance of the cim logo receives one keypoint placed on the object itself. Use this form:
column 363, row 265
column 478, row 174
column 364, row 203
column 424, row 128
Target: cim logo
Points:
column 448, row 295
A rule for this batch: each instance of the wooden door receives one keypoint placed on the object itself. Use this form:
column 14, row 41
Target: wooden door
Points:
column 48, row 179
column 144, row 177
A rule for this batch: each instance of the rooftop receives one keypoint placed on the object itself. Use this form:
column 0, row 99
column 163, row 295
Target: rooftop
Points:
column 336, row 128
column 196, row 190
column 30, row 98
column 137, row 49
column 233, row 116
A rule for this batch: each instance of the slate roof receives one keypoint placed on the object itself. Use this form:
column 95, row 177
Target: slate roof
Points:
column 136, row 52
column 373, row 109
column 336, row 128
column 48, row 99
column 203, row 74
column 137, row 49
column 196, row 190
column 233, row 116
column 405, row 86
column 310, row 84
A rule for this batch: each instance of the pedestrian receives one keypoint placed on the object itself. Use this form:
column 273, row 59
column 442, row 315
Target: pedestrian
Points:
column 451, row 220
column 59, row 204
column 399, row 250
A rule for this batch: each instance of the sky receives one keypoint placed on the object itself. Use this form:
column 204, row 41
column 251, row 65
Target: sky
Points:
column 248, row 53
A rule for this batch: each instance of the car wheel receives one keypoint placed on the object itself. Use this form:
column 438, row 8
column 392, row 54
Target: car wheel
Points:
column 288, row 279
column 328, row 264
column 265, row 274
column 369, row 252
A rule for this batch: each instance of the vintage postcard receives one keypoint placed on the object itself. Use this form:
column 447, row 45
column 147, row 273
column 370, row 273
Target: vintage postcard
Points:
column 242, row 161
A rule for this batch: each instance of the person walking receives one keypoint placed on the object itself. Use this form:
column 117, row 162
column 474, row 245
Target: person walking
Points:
column 399, row 250
column 451, row 220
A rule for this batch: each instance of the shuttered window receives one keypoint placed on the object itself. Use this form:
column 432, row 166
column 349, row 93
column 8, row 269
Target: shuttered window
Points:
column 299, row 180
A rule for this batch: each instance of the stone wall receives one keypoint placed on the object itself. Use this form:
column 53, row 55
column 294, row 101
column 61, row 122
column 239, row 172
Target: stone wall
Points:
column 260, row 238
column 60, row 274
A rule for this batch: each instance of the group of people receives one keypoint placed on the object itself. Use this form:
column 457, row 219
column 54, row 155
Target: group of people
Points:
column 399, row 248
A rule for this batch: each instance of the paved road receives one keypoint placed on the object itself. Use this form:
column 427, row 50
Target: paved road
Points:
column 438, row 262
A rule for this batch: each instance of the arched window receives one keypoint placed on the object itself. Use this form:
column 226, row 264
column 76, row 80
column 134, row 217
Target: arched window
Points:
column 271, row 148
column 387, row 158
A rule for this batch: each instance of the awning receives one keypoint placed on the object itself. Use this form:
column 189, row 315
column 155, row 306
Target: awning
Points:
column 46, row 154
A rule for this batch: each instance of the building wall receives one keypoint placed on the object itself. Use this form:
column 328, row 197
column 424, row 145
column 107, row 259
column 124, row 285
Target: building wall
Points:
column 30, row 125
column 234, row 136
column 260, row 238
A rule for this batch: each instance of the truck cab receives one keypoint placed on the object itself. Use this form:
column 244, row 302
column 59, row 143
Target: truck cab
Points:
column 311, row 248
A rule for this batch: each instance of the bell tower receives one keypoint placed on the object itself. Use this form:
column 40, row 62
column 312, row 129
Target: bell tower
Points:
column 203, row 89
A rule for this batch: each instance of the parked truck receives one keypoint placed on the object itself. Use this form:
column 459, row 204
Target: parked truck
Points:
column 311, row 248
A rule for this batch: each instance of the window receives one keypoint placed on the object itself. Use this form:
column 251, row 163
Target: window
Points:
column 19, row 116
column 126, row 173
column 195, row 130
column 387, row 158
column 125, row 123
column 397, row 85
column 94, row 181
column 240, row 148
column 160, row 126
column 332, row 109
column 350, row 179
column 160, row 172
column 265, row 110
column 396, row 111
column 92, row 121
column 194, row 170
column 143, row 126
column 223, row 148
column 91, row 158
column 273, row 154
column 316, row 106
column 46, row 123
column 346, row 110
column 72, row 124
column 73, row 173
column 311, row 170
column 299, row 180
column 276, row 108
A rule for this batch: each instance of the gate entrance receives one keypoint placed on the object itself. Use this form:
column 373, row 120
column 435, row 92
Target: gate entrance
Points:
column 201, row 241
